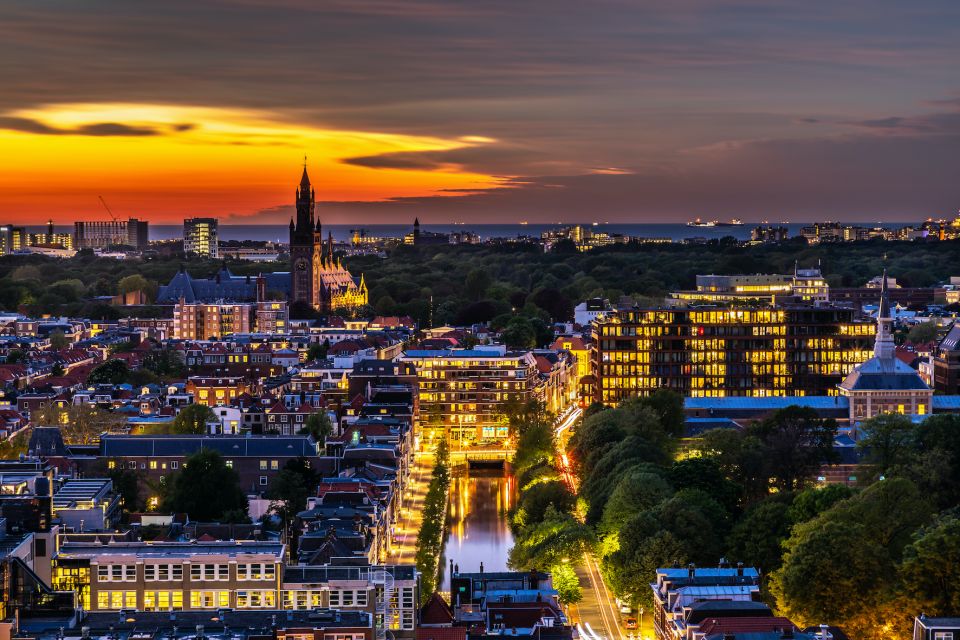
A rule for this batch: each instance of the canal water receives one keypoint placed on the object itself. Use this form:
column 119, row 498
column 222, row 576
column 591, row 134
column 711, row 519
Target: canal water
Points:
column 477, row 520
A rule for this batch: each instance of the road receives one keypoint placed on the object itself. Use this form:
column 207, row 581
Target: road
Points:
column 597, row 614
column 408, row 524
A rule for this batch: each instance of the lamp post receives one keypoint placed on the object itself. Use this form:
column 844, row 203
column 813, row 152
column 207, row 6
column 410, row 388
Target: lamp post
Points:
column 640, row 628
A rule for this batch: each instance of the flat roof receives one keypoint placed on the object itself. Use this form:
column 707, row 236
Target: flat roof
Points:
column 81, row 550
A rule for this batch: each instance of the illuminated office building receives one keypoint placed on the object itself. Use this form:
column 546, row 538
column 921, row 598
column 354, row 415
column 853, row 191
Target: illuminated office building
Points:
column 717, row 352
column 200, row 237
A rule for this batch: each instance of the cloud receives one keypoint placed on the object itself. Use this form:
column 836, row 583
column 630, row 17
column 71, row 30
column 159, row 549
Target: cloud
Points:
column 29, row 125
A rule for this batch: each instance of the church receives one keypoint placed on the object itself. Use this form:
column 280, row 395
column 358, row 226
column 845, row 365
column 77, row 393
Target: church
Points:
column 317, row 278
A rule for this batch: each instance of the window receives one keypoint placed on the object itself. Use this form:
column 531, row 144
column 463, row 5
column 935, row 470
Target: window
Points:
column 117, row 600
column 112, row 464
column 209, row 599
column 274, row 465
column 943, row 635
column 153, row 464
column 229, row 463
column 162, row 600
column 263, row 465
column 132, row 464
column 263, row 480
column 174, row 465
column 116, row 573
column 256, row 599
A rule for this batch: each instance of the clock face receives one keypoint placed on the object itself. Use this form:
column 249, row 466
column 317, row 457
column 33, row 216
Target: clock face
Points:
column 301, row 266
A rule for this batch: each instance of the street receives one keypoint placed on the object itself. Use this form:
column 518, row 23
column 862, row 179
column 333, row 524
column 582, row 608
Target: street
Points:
column 408, row 522
column 597, row 616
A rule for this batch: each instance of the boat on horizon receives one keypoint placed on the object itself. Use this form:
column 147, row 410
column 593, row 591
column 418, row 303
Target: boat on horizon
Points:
column 734, row 222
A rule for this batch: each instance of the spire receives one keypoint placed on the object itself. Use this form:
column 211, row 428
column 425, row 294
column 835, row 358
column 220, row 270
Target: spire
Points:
column 883, row 346
column 305, row 179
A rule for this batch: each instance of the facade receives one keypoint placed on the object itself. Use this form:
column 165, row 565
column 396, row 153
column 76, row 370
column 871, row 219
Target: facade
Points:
column 717, row 352
column 316, row 277
column 102, row 234
column 200, row 237
column 215, row 391
column 946, row 363
column 170, row 576
column 210, row 321
column 272, row 316
column 466, row 392
column 223, row 287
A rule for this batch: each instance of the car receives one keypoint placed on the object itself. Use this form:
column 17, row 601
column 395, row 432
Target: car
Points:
column 630, row 623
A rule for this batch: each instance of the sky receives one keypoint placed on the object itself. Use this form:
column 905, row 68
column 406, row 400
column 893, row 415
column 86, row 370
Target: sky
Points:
column 480, row 111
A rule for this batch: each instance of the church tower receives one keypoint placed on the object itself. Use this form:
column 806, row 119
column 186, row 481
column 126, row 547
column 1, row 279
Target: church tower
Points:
column 302, row 239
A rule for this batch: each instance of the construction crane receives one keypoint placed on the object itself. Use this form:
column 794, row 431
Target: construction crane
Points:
column 104, row 203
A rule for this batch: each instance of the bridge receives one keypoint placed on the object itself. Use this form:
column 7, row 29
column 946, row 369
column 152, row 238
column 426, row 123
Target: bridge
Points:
column 481, row 454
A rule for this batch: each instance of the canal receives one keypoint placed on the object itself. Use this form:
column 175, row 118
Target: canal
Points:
column 477, row 517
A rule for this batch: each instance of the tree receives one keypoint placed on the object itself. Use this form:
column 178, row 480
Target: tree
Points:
column 930, row 573
column 165, row 363
column 810, row 503
column 289, row 490
column 477, row 283
column 757, row 537
column 126, row 482
column 567, row 584
column 58, row 340
column 318, row 426
column 852, row 547
column 79, row 424
column 923, row 333
column 556, row 539
column 206, row 489
column 533, row 503
column 13, row 448
column 193, row 419
column 796, row 443
column 137, row 282
column 519, row 334
column 638, row 490
column 318, row 350
column 888, row 442
column 110, row 372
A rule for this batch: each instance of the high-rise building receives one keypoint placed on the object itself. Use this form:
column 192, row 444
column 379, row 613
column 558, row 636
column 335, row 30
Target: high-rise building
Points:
column 316, row 277
column 12, row 239
column 200, row 237
column 717, row 351
column 101, row 234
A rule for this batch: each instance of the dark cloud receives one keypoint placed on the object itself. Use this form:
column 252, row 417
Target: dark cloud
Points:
column 28, row 125
column 566, row 87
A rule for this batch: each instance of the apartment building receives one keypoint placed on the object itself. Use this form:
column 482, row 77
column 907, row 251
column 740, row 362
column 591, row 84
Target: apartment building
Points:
column 467, row 392
column 210, row 321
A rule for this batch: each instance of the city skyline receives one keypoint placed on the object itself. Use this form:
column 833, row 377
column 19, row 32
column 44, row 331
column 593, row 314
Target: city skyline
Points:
column 485, row 113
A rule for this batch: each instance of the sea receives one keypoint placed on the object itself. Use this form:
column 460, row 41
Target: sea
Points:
column 343, row 233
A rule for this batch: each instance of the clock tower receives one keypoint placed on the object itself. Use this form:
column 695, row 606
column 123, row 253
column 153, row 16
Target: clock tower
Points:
column 302, row 238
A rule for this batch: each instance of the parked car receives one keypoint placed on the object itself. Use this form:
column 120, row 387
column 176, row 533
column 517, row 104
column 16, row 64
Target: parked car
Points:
column 630, row 622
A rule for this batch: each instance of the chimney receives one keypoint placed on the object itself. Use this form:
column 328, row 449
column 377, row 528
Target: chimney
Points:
column 691, row 570
column 740, row 569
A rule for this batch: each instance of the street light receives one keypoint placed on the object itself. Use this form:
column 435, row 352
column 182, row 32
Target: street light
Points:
column 640, row 630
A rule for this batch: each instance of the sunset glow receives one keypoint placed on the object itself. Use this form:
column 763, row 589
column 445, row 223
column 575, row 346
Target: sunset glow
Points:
column 164, row 161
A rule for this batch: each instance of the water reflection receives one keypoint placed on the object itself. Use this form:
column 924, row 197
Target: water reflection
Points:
column 479, row 501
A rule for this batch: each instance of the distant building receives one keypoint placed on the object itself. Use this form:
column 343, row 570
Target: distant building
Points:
column 222, row 287
column 101, row 234
column 317, row 278
column 200, row 237
column 769, row 234
column 421, row 238
column 589, row 310
column 803, row 285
